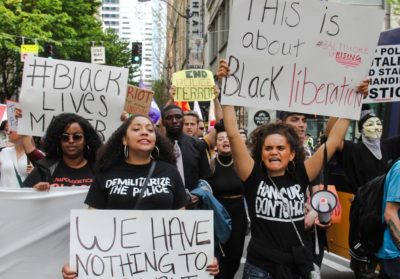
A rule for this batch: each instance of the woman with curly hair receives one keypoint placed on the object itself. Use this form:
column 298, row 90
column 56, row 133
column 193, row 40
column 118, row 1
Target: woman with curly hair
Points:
column 275, row 181
column 134, row 152
column 70, row 145
column 123, row 164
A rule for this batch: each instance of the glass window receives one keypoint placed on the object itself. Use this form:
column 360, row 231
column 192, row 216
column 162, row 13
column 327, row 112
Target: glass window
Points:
column 224, row 24
column 213, row 36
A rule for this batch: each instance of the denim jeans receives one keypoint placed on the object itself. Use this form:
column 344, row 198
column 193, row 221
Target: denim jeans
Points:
column 254, row 272
column 390, row 268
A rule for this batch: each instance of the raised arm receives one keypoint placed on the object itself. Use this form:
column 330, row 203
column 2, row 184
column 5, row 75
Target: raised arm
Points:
column 315, row 163
column 362, row 88
column 241, row 158
column 210, row 137
column 172, row 92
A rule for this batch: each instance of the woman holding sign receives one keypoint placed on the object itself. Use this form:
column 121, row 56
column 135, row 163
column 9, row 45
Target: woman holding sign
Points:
column 135, row 170
column 275, row 182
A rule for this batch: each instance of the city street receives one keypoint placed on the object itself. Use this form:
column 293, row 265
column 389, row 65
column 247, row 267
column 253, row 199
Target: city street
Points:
column 333, row 266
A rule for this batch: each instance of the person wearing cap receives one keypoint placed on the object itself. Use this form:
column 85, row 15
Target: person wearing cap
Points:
column 361, row 162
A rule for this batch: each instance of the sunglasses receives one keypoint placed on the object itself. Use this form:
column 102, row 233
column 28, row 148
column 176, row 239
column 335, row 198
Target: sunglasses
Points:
column 65, row 137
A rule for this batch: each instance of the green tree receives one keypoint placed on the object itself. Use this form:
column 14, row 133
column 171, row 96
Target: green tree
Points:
column 72, row 26
column 395, row 6
column 160, row 90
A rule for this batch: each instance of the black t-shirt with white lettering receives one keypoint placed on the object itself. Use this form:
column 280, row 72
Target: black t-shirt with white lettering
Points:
column 270, row 221
column 66, row 176
column 119, row 188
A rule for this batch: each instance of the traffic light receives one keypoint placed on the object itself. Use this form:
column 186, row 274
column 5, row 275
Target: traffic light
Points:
column 49, row 50
column 136, row 53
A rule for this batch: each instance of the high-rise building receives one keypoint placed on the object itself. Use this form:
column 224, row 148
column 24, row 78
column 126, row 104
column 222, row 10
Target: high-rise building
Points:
column 140, row 21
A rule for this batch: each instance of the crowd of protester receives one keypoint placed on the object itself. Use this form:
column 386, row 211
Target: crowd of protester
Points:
column 243, row 171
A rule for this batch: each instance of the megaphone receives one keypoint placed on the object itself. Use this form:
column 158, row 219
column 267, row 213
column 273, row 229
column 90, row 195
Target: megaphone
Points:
column 324, row 202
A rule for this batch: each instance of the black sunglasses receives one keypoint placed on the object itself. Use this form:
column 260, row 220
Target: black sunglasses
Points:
column 65, row 137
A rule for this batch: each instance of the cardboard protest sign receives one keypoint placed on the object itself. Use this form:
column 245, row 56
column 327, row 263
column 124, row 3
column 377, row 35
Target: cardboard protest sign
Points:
column 138, row 100
column 141, row 244
column 305, row 56
column 193, row 85
column 12, row 121
column 384, row 75
column 50, row 87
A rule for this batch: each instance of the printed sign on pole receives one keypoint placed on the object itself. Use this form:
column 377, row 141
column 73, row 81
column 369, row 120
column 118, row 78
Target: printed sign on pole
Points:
column 12, row 120
column 98, row 55
column 301, row 56
column 193, row 85
column 29, row 49
column 138, row 100
column 384, row 75
column 141, row 243
column 51, row 86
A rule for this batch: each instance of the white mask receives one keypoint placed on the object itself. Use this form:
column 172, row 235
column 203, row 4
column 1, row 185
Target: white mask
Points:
column 372, row 128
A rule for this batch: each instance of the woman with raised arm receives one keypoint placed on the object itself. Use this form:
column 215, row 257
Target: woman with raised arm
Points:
column 228, row 190
column 275, row 180
column 134, row 152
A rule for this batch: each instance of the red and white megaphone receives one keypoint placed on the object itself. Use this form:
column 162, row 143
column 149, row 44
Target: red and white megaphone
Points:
column 324, row 202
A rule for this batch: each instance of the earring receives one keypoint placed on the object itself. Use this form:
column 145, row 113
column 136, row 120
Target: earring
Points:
column 126, row 151
column 291, row 167
column 158, row 151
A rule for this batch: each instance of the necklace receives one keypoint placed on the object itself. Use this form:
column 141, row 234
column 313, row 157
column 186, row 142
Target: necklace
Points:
column 224, row 165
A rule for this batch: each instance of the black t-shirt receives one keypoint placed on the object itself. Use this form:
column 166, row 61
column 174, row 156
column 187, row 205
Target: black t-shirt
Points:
column 360, row 165
column 120, row 187
column 270, row 222
column 67, row 176
column 225, row 181
column 195, row 161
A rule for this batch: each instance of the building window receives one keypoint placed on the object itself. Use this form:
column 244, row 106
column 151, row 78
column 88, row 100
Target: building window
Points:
column 224, row 25
column 110, row 16
column 110, row 1
column 213, row 35
column 115, row 9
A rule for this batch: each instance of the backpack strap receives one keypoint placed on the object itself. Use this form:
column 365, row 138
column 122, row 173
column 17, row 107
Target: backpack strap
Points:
column 212, row 165
column 146, row 182
column 325, row 171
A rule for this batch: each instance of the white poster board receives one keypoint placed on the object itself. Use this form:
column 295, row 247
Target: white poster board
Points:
column 305, row 56
column 384, row 75
column 34, row 235
column 12, row 120
column 50, row 87
column 141, row 244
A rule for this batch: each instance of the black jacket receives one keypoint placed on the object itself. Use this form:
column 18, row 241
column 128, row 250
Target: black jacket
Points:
column 43, row 172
